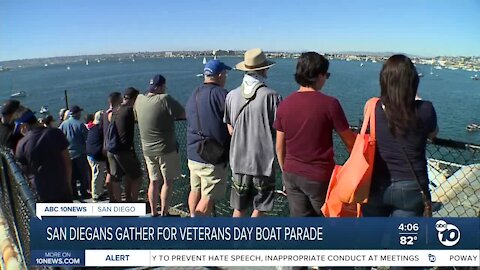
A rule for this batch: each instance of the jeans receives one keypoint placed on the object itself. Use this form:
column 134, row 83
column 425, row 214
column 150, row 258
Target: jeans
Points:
column 98, row 176
column 399, row 199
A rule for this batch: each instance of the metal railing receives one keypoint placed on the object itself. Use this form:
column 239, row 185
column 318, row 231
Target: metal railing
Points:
column 17, row 202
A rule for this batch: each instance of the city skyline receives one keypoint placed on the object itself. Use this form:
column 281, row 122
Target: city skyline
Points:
column 52, row 28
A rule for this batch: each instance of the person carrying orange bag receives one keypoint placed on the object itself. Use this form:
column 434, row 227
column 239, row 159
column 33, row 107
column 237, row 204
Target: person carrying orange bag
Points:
column 350, row 184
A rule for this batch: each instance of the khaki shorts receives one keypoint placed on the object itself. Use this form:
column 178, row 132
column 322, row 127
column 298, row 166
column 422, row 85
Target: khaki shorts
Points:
column 167, row 166
column 208, row 179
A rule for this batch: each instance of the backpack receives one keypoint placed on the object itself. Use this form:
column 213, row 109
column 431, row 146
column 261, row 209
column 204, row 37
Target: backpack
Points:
column 112, row 139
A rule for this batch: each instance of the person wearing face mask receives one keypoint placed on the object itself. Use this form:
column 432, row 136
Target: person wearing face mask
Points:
column 43, row 152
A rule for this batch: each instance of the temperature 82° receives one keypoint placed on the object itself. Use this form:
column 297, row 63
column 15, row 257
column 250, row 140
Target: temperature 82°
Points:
column 408, row 240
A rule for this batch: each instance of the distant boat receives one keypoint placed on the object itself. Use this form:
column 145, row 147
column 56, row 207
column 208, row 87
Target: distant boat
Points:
column 475, row 77
column 420, row 74
column 361, row 64
column 44, row 109
column 374, row 61
column 46, row 65
column 86, row 62
column 19, row 94
column 214, row 57
column 133, row 59
column 98, row 60
column 437, row 67
column 204, row 60
column 431, row 71
column 199, row 75
column 68, row 68
column 473, row 127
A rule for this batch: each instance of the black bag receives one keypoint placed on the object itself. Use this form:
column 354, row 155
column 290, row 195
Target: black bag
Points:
column 212, row 151
column 209, row 149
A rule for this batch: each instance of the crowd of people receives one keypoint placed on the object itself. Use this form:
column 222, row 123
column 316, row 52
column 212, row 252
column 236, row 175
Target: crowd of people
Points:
column 245, row 131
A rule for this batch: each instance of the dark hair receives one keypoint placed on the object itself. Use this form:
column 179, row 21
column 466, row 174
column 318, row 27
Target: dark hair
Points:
column 89, row 117
column 49, row 119
column 309, row 66
column 115, row 97
column 399, row 83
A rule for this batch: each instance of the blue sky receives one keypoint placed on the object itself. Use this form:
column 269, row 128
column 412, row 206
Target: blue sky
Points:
column 44, row 28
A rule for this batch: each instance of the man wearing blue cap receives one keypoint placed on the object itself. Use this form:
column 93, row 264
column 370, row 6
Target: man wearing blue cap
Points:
column 156, row 112
column 208, row 140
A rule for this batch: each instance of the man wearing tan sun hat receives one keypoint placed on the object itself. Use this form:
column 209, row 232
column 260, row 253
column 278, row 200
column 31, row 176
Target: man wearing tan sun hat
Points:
column 249, row 114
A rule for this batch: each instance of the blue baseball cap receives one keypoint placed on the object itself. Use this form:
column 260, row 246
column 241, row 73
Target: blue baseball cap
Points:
column 214, row 67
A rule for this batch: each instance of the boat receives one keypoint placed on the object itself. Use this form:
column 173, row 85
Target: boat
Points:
column 475, row 77
column 204, row 60
column 199, row 75
column 133, row 59
column 420, row 74
column 431, row 71
column 437, row 67
column 361, row 64
column 215, row 57
column 19, row 94
column 86, row 62
column 473, row 127
column 374, row 61
column 44, row 109
column 46, row 65
column 68, row 68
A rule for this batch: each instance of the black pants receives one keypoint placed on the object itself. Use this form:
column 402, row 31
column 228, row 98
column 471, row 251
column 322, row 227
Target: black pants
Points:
column 80, row 170
column 305, row 196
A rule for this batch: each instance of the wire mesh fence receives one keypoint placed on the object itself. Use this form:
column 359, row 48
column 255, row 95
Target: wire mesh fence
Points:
column 453, row 168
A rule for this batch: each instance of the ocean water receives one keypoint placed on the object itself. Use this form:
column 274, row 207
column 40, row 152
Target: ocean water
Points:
column 455, row 96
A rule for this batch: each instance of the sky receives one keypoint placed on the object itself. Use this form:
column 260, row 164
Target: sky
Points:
column 46, row 28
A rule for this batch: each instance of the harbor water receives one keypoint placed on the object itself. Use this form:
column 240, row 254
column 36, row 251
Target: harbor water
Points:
column 454, row 94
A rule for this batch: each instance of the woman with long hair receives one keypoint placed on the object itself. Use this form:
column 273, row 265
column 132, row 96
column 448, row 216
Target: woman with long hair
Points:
column 403, row 125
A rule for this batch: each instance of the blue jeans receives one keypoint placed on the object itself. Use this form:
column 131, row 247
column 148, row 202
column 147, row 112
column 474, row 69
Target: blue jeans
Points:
column 399, row 199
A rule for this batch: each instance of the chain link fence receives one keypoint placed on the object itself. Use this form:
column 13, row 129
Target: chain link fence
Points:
column 17, row 203
column 453, row 168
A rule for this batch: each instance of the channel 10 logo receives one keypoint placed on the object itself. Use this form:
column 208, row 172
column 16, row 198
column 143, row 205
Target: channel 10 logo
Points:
column 448, row 234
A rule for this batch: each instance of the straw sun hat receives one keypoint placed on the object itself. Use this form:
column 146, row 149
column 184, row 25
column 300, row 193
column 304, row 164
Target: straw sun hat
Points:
column 254, row 59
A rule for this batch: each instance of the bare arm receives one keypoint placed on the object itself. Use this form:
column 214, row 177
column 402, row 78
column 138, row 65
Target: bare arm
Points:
column 230, row 129
column 68, row 168
column 280, row 145
column 348, row 138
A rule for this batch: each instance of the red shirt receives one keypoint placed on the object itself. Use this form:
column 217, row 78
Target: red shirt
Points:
column 308, row 120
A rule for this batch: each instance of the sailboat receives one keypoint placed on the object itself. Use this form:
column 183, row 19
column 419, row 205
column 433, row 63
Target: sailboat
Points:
column 214, row 57
column 86, row 62
column 431, row 70
column 68, row 68
column 204, row 60
column 133, row 59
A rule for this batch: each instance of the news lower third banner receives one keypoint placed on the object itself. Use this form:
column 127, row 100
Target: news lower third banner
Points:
column 147, row 241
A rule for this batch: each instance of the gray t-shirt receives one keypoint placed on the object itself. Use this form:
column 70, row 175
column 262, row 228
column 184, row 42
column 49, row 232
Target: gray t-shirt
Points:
column 252, row 148
column 156, row 115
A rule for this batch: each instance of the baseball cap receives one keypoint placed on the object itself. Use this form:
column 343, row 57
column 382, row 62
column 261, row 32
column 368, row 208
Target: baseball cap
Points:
column 10, row 106
column 158, row 80
column 214, row 67
column 75, row 109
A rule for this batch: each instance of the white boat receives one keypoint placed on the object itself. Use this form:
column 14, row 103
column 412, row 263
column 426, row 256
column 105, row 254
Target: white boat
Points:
column 361, row 64
column 473, row 127
column 420, row 74
column 68, row 68
column 98, row 60
column 215, row 57
column 199, row 75
column 44, row 109
column 133, row 59
column 437, row 67
column 46, row 65
column 204, row 60
column 86, row 62
column 475, row 77
column 19, row 94
column 431, row 71
column 374, row 61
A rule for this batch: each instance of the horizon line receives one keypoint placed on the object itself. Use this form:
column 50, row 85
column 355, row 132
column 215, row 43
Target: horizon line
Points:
column 267, row 51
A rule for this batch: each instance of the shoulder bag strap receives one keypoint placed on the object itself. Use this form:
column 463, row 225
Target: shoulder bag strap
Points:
column 424, row 195
column 369, row 118
column 248, row 101
column 199, row 125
